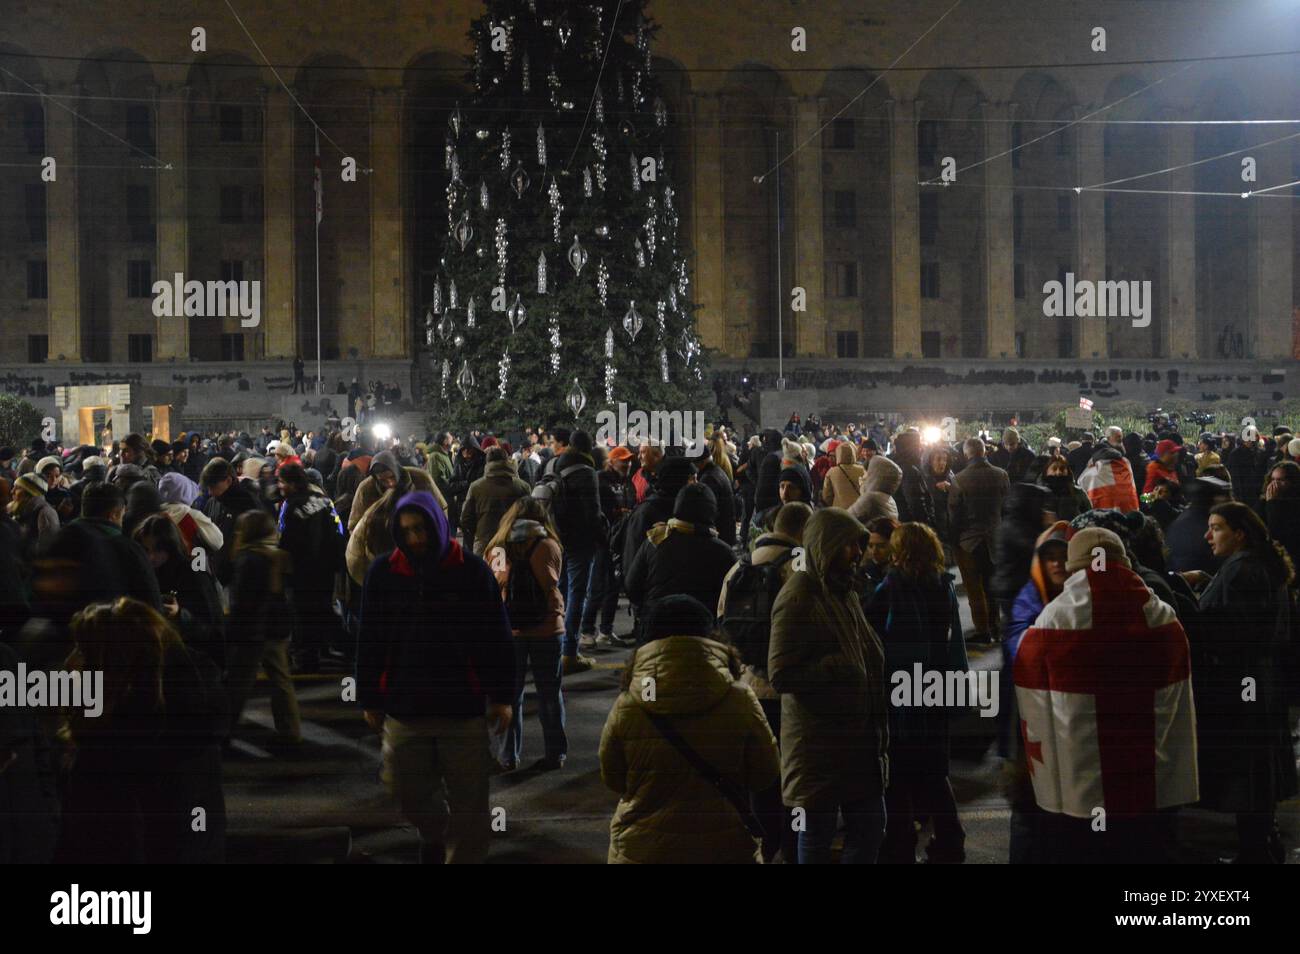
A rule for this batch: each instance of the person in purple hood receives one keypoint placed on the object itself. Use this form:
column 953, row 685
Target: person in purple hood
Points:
column 434, row 655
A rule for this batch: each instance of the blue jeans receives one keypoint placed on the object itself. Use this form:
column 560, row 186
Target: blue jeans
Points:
column 577, row 580
column 865, row 830
column 602, row 595
column 543, row 657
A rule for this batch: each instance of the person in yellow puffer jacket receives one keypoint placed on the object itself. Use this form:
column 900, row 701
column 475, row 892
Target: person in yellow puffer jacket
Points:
column 669, row 812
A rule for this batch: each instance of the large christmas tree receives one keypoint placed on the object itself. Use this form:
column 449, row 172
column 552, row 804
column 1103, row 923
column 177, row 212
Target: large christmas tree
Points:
column 563, row 286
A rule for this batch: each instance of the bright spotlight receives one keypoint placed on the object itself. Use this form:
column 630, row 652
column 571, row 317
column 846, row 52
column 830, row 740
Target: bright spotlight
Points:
column 931, row 435
column 382, row 432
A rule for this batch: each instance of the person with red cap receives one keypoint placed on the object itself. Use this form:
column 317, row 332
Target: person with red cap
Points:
column 1164, row 467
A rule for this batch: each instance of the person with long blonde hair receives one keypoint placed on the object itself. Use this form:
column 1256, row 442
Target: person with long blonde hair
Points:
column 526, row 541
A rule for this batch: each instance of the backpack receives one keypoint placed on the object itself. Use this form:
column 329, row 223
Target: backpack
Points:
column 747, row 620
column 526, row 602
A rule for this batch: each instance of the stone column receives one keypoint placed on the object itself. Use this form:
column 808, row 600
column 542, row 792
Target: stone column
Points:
column 63, row 232
column 999, row 237
column 1090, row 233
column 906, row 230
column 389, row 304
column 279, row 291
column 173, row 213
column 1271, row 265
column 809, row 206
column 1179, row 337
column 707, row 226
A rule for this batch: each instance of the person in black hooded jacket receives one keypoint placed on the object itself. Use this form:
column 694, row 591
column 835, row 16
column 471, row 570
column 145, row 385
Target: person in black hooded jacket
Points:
column 311, row 532
column 1185, row 537
column 712, row 476
column 673, row 474
column 682, row 555
column 913, row 495
column 1024, row 517
column 765, row 462
column 468, row 468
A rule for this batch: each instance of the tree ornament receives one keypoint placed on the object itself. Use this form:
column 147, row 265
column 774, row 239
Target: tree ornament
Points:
column 516, row 314
column 483, row 195
column 600, row 106
column 632, row 321
column 577, row 256
column 451, row 295
column 501, row 245
column 586, row 182
column 609, row 342
column 458, row 341
column 437, row 297
column 541, row 273
column 446, row 327
column 602, row 230
column 661, row 113
column 523, row 73
column 455, row 168
column 672, row 297
column 602, row 282
column 651, row 223
column 556, row 207
column 553, row 327
column 564, row 30
column 455, row 120
column 448, row 147
column 469, row 313
column 505, row 149
column 621, row 97
column 663, row 365
column 639, row 250
column 503, row 373
column 553, row 81
column 520, row 180
column 464, row 231
column 637, row 96
column 446, row 376
column 577, row 399
column 610, row 373
column 465, row 380
column 541, row 145
column 659, row 317
column 636, row 174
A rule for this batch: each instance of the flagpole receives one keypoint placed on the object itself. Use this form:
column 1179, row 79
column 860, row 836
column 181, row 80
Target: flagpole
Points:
column 320, row 189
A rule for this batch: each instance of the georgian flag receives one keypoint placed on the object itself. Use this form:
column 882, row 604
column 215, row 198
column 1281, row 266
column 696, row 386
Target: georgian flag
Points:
column 1103, row 682
column 1109, row 485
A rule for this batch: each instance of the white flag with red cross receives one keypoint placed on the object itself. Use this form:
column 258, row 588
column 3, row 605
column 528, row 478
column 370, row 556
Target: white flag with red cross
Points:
column 1103, row 682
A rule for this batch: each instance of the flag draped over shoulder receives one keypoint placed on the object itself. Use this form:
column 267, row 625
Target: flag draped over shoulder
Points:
column 1109, row 485
column 1103, row 682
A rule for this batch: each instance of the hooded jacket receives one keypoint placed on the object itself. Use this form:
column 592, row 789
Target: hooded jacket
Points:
column 768, row 483
column 545, row 562
column 673, row 474
column 434, row 639
column 840, row 488
column 829, row 667
column 724, row 494
column 683, row 555
column 876, row 497
column 488, row 500
column 409, row 479
column 667, row 811
column 913, row 494
column 1013, row 546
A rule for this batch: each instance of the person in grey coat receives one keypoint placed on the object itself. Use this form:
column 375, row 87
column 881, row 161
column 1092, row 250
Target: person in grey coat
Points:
column 974, row 513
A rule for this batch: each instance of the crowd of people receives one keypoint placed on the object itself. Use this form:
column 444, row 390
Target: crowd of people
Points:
column 775, row 585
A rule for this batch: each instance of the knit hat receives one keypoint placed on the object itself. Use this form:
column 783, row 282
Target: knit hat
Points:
column 1080, row 554
column 1293, row 448
column 50, row 461
column 179, row 446
column 676, row 615
column 1116, row 521
column 1166, row 447
column 160, row 447
column 33, row 484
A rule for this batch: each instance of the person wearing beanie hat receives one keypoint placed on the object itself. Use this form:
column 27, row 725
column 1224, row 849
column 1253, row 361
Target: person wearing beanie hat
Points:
column 1103, row 674
column 681, row 555
column 37, row 521
column 50, row 469
column 828, row 664
column 666, row 815
column 1293, row 449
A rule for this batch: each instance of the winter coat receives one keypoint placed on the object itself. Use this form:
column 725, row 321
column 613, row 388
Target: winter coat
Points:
column 768, row 548
column 440, row 469
column 767, row 485
column 1248, row 468
column 1282, row 515
column 1016, row 463
column 140, row 773
column 1241, row 629
column 312, row 534
column 545, row 561
column 975, row 504
column 878, row 488
column 201, row 622
column 840, row 488
column 1156, row 471
column 488, row 500
column 1185, row 539
column 913, row 494
column 39, row 524
column 409, row 479
column 683, row 555
column 575, row 509
column 1064, row 499
column 1079, row 458
column 829, row 667
column 617, row 495
column 1015, row 541
column 434, row 638
column 919, row 622
column 110, row 563
column 724, row 494
column 224, row 511
column 352, row 472
column 668, row 812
